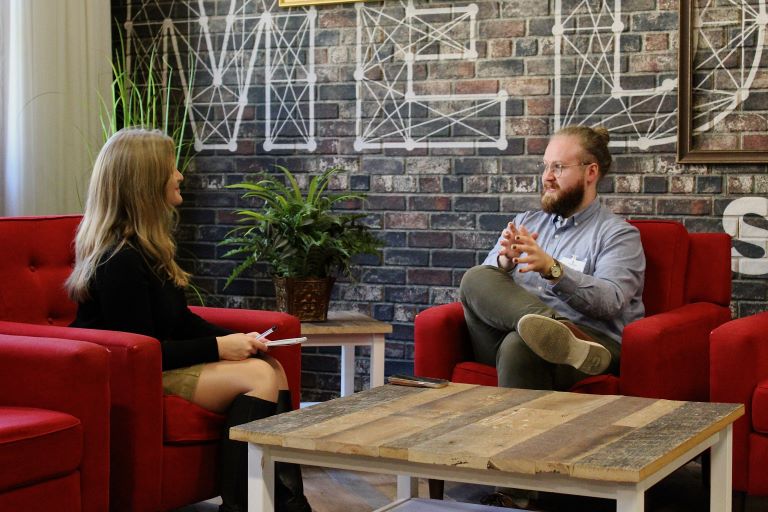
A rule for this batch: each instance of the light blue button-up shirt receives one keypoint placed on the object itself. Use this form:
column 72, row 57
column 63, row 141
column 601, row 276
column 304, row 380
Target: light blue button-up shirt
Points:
column 603, row 267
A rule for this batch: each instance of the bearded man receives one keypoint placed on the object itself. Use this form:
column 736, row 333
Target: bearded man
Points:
column 549, row 303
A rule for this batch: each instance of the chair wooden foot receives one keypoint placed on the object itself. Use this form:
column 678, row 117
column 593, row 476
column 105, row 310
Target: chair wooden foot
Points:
column 739, row 501
column 436, row 489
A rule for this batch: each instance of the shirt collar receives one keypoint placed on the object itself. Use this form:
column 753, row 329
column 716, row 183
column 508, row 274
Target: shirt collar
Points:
column 578, row 218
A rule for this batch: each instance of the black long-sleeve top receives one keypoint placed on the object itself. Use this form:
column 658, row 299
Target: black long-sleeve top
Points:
column 126, row 295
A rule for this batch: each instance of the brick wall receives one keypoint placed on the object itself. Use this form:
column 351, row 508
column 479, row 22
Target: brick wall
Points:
column 439, row 208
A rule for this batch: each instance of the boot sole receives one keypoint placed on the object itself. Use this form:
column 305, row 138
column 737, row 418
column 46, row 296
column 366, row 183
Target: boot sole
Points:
column 555, row 343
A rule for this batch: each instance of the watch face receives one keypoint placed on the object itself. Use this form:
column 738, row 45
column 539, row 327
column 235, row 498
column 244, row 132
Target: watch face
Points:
column 556, row 270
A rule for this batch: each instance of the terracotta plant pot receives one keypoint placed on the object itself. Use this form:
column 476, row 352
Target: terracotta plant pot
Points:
column 306, row 298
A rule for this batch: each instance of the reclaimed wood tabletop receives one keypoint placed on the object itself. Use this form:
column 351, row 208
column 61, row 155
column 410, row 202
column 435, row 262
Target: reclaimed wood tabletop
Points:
column 598, row 437
column 346, row 322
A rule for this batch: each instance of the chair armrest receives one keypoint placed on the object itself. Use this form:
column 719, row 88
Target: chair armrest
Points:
column 70, row 377
column 441, row 341
column 136, row 393
column 667, row 355
column 249, row 320
column 739, row 361
column 739, row 358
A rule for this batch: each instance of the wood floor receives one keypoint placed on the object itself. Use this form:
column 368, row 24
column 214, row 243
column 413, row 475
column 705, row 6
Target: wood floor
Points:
column 330, row 490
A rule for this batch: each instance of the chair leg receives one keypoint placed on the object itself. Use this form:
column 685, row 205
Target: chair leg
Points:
column 436, row 489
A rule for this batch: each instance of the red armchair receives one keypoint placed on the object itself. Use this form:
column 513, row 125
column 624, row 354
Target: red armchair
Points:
column 664, row 355
column 54, row 425
column 163, row 448
column 739, row 374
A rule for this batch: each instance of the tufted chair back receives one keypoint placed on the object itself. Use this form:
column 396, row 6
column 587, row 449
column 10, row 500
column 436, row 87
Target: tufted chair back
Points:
column 679, row 266
column 36, row 257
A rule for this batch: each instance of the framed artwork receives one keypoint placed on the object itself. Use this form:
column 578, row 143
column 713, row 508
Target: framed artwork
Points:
column 723, row 82
column 302, row 3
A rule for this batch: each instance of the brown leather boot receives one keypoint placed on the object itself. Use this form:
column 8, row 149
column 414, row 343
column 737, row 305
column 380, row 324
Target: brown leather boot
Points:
column 562, row 342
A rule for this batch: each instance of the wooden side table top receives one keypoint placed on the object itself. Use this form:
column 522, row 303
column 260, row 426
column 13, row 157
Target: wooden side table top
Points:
column 346, row 322
column 598, row 437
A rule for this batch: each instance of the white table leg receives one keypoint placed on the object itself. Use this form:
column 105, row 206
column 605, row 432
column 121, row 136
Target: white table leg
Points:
column 630, row 500
column 261, row 479
column 721, row 472
column 347, row 370
column 377, row 360
column 407, row 487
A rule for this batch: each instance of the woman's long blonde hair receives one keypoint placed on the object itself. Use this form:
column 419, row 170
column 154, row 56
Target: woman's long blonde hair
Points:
column 127, row 204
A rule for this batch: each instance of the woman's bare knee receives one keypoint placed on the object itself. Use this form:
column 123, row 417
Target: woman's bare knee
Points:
column 279, row 371
column 221, row 382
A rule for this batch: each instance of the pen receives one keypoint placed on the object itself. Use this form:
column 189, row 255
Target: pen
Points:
column 266, row 333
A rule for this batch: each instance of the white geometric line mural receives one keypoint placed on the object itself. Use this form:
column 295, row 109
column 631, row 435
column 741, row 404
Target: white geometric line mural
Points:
column 720, row 88
column 391, row 112
column 216, row 55
column 588, row 38
column 226, row 52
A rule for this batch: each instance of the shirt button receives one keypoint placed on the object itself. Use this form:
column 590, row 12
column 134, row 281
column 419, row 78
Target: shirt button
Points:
column 540, row 288
column 557, row 236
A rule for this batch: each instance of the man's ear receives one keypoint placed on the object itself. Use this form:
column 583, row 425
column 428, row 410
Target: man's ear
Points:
column 593, row 173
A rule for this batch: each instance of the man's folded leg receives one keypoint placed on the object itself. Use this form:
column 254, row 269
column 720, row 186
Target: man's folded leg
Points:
column 562, row 342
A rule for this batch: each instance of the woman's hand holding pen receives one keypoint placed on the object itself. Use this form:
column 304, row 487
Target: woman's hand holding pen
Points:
column 239, row 346
column 236, row 347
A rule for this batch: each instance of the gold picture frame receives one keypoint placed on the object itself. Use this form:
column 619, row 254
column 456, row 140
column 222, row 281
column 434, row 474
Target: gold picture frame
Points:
column 694, row 73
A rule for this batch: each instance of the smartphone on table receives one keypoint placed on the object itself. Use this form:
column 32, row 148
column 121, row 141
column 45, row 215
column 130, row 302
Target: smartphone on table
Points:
column 419, row 382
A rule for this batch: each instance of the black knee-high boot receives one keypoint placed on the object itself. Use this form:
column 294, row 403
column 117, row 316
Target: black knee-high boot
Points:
column 289, row 485
column 233, row 455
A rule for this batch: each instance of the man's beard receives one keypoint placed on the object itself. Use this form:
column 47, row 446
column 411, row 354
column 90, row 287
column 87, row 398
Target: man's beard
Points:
column 564, row 202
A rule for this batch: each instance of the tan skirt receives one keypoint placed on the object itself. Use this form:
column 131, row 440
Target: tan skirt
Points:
column 182, row 381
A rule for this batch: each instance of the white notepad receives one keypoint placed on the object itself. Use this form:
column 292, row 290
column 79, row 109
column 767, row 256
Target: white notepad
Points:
column 286, row 341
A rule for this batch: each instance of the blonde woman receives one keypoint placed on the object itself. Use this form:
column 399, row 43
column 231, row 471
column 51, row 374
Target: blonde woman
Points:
column 126, row 279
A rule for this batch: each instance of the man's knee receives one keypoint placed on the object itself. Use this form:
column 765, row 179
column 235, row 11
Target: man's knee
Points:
column 519, row 367
column 512, row 350
column 475, row 280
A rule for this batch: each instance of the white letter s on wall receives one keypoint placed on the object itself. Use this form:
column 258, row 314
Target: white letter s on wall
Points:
column 734, row 224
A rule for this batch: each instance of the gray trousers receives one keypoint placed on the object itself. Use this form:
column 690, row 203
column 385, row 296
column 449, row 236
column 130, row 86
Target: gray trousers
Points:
column 493, row 303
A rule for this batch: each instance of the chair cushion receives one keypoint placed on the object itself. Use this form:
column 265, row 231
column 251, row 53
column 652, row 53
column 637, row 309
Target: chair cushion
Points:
column 760, row 407
column 470, row 372
column 597, row 385
column 185, row 422
column 37, row 444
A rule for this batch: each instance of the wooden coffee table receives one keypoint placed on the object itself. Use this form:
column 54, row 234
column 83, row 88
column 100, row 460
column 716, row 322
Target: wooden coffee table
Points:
column 605, row 446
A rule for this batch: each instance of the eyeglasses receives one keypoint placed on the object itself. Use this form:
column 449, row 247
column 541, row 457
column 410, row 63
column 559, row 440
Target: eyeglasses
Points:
column 557, row 168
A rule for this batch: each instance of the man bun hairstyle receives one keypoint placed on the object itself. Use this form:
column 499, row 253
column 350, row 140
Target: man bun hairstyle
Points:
column 594, row 141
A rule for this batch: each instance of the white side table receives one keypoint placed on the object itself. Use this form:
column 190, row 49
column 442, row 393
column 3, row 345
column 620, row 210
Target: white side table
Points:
column 347, row 329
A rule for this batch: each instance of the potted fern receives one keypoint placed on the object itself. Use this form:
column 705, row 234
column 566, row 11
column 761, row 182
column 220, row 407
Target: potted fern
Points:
column 303, row 240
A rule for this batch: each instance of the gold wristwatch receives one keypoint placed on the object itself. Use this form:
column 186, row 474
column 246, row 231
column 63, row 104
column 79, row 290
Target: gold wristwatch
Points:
column 555, row 271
